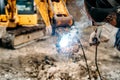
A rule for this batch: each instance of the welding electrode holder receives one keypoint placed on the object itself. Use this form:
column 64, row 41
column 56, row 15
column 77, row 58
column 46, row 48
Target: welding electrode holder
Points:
column 95, row 41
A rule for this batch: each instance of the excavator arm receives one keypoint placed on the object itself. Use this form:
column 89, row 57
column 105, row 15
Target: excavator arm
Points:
column 42, row 6
column 11, row 14
column 10, row 9
column 54, row 9
column 54, row 12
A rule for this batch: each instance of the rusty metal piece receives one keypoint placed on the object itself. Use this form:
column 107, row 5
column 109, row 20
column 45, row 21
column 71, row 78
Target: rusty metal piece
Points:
column 63, row 20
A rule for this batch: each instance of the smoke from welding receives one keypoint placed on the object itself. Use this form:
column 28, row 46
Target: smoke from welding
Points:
column 84, row 21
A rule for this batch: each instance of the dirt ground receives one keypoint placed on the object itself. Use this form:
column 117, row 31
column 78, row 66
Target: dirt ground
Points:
column 40, row 60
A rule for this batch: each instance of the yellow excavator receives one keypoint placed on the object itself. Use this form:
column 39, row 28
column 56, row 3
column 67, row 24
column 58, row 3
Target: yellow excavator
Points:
column 20, row 24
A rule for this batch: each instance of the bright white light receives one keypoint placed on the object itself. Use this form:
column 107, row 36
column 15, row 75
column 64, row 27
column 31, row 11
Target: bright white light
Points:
column 64, row 41
column 68, row 39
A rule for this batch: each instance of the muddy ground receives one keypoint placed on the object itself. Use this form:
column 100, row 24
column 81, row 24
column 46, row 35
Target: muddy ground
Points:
column 40, row 60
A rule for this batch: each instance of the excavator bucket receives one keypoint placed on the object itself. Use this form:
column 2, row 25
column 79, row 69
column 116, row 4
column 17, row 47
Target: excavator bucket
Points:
column 61, row 15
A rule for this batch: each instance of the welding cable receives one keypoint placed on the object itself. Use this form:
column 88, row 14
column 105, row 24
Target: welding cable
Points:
column 96, row 52
column 97, row 68
column 85, row 59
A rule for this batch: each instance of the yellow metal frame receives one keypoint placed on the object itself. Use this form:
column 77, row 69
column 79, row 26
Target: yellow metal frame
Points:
column 3, row 18
column 30, row 19
column 23, row 19
column 43, row 9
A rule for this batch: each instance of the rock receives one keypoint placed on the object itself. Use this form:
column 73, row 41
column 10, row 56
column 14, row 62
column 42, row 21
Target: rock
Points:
column 28, row 69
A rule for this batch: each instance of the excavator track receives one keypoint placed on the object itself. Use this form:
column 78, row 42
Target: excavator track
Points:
column 16, row 38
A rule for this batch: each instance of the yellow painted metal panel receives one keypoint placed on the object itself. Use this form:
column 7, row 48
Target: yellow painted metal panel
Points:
column 3, row 18
column 23, row 19
column 27, row 19
column 59, row 8
column 43, row 9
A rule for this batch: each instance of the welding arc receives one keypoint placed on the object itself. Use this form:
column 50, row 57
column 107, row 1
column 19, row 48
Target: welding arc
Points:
column 97, row 68
column 85, row 60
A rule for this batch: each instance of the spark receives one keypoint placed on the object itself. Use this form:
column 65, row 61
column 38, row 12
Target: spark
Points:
column 64, row 41
column 69, row 39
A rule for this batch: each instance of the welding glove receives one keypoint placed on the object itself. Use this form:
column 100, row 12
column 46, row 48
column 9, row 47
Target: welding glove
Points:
column 94, row 39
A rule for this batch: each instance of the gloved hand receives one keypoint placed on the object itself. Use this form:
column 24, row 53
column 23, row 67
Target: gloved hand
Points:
column 94, row 39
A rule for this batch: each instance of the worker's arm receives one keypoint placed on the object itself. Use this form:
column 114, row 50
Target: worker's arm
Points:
column 117, row 40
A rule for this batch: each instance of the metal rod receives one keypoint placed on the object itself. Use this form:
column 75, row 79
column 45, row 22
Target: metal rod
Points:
column 85, row 60
column 97, row 68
